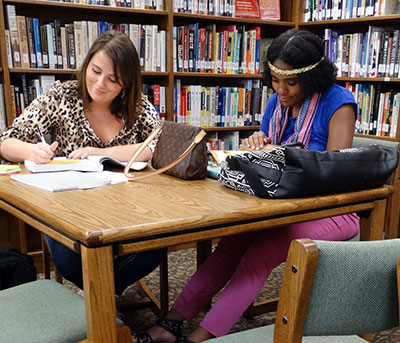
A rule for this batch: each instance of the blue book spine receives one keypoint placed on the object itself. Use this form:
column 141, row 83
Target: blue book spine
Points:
column 175, row 105
column 221, row 106
column 196, row 48
column 36, row 38
column 228, row 100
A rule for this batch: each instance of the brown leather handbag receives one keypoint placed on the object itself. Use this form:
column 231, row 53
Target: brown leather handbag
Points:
column 181, row 152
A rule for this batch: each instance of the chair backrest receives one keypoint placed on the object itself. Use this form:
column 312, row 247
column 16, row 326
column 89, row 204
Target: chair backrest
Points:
column 392, row 213
column 338, row 288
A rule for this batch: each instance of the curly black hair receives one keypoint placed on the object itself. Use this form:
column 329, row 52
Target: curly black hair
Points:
column 299, row 48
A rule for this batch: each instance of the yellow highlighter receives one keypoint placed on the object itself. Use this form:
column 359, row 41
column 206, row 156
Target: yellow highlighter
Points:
column 64, row 161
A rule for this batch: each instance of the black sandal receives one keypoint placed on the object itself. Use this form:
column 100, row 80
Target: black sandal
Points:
column 172, row 326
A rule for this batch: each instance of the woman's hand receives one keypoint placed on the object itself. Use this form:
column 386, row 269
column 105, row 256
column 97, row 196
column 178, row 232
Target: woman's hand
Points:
column 42, row 153
column 82, row 153
column 257, row 141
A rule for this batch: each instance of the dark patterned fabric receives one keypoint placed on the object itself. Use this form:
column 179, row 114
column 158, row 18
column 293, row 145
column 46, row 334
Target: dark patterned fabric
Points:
column 273, row 159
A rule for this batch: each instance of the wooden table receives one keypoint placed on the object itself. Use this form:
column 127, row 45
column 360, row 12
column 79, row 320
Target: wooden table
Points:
column 159, row 212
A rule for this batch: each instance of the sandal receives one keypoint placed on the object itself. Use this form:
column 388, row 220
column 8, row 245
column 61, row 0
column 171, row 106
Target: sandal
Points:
column 172, row 326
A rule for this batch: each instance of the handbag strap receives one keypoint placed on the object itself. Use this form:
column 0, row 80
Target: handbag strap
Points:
column 131, row 177
column 254, row 179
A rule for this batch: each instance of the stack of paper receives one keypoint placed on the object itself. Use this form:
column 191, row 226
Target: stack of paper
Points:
column 8, row 169
column 62, row 181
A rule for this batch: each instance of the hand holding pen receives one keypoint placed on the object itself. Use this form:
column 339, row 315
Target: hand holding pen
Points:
column 43, row 152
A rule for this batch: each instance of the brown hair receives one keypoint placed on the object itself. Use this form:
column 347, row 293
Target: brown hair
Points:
column 121, row 51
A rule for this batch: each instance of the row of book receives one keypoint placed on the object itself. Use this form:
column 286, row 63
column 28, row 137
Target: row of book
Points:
column 257, row 9
column 155, row 93
column 137, row 4
column 226, row 49
column 315, row 10
column 374, row 53
column 378, row 110
column 28, row 88
column 32, row 44
column 242, row 104
column 223, row 140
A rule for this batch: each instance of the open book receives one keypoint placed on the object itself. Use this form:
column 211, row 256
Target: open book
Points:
column 220, row 155
column 91, row 163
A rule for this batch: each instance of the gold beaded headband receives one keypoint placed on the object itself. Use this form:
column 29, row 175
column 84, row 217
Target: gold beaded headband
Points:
column 293, row 71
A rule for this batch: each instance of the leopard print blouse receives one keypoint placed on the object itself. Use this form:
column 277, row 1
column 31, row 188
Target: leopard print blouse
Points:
column 59, row 114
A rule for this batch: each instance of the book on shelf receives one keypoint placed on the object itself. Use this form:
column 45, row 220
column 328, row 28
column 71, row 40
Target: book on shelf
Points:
column 51, row 46
column 247, row 9
column 44, row 46
column 12, row 103
column 31, row 44
column 46, row 82
column 270, row 10
column 56, row 27
column 14, row 39
column 64, row 55
column 91, row 163
column 78, row 43
column 3, row 116
column 8, row 48
column 37, row 42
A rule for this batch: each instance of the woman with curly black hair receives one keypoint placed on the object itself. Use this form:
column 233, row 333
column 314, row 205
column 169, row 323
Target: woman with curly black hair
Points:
column 308, row 107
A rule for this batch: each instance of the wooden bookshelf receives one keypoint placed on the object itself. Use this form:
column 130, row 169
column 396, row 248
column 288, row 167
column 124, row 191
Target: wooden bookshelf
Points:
column 350, row 26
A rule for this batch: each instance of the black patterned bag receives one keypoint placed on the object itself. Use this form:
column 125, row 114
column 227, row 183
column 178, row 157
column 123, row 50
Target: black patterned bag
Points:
column 287, row 171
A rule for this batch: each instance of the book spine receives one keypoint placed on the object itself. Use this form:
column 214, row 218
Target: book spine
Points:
column 51, row 46
column 78, row 43
column 23, row 41
column 3, row 117
column 64, row 47
column 37, row 42
column 44, row 45
column 70, row 42
column 13, row 29
column 8, row 48
column 31, row 44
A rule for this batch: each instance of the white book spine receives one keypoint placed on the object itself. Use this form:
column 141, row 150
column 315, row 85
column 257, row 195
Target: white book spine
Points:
column 395, row 115
column 154, row 48
column 8, row 48
column 163, row 50
column 3, row 118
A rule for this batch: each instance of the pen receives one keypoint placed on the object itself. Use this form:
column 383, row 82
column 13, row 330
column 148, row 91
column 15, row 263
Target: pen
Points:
column 40, row 134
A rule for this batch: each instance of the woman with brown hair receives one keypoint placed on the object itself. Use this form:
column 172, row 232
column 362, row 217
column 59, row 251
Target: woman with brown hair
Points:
column 103, row 113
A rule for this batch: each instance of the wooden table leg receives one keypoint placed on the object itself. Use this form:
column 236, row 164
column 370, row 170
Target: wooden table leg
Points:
column 371, row 228
column 99, row 287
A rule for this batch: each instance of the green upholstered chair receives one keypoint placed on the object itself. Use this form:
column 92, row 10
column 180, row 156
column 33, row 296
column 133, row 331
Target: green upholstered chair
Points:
column 44, row 311
column 331, row 292
column 393, row 206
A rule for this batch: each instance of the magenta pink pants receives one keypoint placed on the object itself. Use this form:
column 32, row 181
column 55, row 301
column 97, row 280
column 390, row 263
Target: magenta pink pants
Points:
column 243, row 263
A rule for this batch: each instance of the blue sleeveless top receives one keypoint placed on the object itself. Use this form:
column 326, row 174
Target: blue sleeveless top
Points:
column 333, row 98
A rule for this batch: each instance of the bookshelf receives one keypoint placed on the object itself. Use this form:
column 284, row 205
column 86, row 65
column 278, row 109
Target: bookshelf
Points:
column 166, row 19
column 388, row 83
